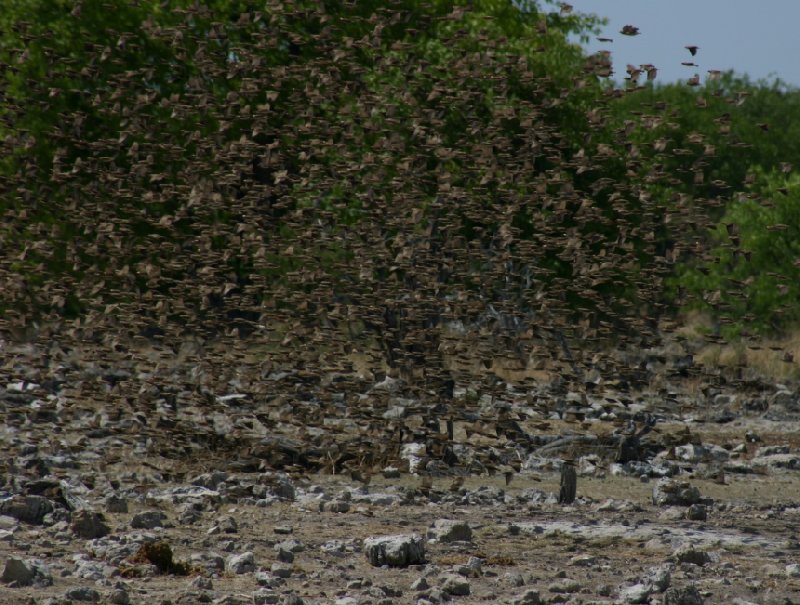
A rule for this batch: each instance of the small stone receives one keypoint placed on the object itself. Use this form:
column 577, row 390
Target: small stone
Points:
column 449, row 530
column 291, row 545
column 239, row 564
column 659, row 577
column 281, row 570
column 83, row 593
column 697, row 512
column 202, row 583
column 583, row 560
column 148, row 519
column 119, row 596
column 283, row 530
column 89, row 525
column 793, row 570
column 26, row 572
column 116, row 504
column 687, row 554
column 668, row 492
column 420, row 584
column 529, row 597
column 228, row 525
column 210, row 480
column 29, row 509
column 565, row 585
column 455, row 586
column 638, row 593
column 19, row 571
column 391, row 472
column 265, row 596
column 395, row 551
column 285, row 556
column 682, row 596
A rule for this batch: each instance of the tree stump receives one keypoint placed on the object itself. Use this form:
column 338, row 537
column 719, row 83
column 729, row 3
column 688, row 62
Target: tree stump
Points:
column 569, row 482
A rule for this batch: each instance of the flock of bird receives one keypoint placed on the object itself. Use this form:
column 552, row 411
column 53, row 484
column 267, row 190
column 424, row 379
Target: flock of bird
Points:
column 338, row 206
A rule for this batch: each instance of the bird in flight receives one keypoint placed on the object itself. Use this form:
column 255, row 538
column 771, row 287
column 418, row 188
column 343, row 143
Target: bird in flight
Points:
column 692, row 49
column 629, row 30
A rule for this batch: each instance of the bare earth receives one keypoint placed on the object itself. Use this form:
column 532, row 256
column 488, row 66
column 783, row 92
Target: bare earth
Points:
column 93, row 449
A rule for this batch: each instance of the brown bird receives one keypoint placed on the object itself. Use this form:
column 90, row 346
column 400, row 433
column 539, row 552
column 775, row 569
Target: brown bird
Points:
column 629, row 30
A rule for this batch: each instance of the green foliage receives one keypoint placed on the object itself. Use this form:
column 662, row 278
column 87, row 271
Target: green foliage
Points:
column 751, row 280
column 218, row 147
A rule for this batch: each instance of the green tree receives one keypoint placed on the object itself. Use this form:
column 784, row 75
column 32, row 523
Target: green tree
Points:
column 750, row 282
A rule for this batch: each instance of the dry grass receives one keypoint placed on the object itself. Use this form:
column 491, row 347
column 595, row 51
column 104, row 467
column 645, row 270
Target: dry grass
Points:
column 773, row 358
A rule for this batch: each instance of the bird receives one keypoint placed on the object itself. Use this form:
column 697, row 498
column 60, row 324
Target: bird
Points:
column 692, row 49
column 629, row 30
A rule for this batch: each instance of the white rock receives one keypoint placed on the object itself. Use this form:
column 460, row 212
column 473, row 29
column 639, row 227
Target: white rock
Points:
column 450, row 530
column 414, row 453
column 793, row 570
column 395, row 551
column 239, row 564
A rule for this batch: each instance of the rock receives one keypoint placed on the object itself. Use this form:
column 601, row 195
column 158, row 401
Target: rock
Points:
column 116, row 504
column 391, row 472
column 83, row 593
column 659, row 577
column 583, row 560
column 638, row 593
column 210, row 480
column 777, row 461
column 449, row 530
column 19, row 571
column 239, row 564
column 29, row 509
column 682, row 596
column 292, row 545
column 280, row 570
column 687, row 554
column 420, row 584
column 202, row 583
column 793, row 570
column 669, row 492
column 334, row 506
column 265, row 596
column 471, row 570
column 415, row 453
column 529, row 597
column 89, row 525
column 148, row 519
column 697, row 512
column 455, row 586
column 564, row 585
column 395, row 551
column 118, row 596
column 26, row 572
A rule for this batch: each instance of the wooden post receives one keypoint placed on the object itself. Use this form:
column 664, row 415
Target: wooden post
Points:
column 569, row 482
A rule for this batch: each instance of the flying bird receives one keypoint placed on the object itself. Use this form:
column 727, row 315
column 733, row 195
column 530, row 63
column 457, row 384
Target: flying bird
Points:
column 692, row 49
column 629, row 30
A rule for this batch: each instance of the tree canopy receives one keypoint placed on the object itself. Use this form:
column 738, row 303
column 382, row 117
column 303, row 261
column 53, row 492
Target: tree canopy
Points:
column 364, row 175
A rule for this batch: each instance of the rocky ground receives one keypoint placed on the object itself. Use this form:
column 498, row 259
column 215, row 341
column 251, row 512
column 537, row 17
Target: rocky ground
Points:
column 163, row 476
